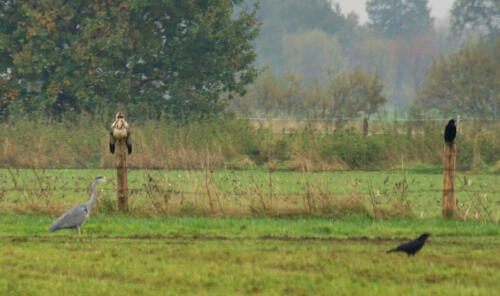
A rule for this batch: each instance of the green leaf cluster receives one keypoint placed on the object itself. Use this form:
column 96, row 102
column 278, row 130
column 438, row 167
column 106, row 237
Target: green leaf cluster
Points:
column 149, row 57
column 479, row 16
column 466, row 83
column 355, row 93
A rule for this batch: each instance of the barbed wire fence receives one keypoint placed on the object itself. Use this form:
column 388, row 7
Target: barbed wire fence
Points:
column 435, row 191
column 141, row 190
column 47, row 191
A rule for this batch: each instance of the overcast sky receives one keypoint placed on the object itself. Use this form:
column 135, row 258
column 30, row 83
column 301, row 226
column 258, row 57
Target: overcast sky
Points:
column 439, row 8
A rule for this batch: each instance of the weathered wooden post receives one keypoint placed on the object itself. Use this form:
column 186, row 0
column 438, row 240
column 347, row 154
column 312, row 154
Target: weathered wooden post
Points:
column 365, row 126
column 119, row 135
column 449, row 163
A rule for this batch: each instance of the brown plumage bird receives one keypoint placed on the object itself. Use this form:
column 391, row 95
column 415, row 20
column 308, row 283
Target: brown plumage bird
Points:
column 120, row 131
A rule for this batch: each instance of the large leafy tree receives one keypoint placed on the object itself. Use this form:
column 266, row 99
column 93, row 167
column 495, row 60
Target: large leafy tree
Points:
column 466, row 83
column 399, row 17
column 481, row 16
column 353, row 94
column 155, row 56
column 347, row 95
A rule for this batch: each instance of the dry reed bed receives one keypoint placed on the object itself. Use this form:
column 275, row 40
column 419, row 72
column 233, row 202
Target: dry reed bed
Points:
column 238, row 144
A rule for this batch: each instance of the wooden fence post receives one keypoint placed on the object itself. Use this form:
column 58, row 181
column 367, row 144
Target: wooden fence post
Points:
column 121, row 174
column 120, row 139
column 365, row 126
column 449, row 204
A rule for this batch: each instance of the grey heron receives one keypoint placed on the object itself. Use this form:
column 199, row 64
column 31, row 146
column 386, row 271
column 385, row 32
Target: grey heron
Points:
column 76, row 216
column 120, row 130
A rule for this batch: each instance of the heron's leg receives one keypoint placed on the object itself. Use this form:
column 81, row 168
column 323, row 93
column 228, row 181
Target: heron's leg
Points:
column 79, row 232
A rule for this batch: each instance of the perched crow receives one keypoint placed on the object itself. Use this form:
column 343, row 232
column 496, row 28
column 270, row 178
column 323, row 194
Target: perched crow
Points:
column 450, row 132
column 412, row 247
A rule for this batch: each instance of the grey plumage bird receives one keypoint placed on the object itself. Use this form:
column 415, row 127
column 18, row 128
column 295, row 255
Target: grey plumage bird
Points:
column 76, row 216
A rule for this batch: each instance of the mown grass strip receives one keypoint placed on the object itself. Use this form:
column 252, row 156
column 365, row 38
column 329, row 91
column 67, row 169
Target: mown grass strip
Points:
column 17, row 225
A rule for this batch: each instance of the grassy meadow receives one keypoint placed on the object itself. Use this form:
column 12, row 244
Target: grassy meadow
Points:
column 253, row 232
column 234, row 209
column 246, row 256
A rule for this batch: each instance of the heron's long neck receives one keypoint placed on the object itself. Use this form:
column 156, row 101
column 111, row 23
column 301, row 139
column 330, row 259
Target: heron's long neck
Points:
column 93, row 197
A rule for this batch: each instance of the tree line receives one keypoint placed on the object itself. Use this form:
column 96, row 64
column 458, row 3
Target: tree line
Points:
column 400, row 44
column 463, row 83
column 184, row 59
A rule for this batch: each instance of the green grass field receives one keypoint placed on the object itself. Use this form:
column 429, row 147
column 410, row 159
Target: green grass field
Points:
column 230, row 250
column 264, row 256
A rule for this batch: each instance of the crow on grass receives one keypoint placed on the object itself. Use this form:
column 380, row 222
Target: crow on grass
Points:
column 412, row 247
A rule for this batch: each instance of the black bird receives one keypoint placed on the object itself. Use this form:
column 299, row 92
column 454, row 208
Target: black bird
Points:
column 411, row 248
column 450, row 132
